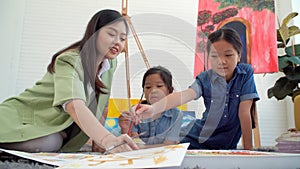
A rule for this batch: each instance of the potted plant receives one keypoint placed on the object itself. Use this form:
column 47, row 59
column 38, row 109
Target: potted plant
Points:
column 289, row 63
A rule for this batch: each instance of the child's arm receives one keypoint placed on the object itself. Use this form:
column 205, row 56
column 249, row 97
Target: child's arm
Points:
column 172, row 100
column 245, row 120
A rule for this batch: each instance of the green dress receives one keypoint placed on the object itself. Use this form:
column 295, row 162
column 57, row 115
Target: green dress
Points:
column 38, row 112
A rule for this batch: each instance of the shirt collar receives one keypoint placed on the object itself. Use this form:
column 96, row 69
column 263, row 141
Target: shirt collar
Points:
column 239, row 70
column 104, row 68
column 214, row 76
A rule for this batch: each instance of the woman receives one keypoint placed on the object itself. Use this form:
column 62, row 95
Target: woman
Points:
column 78, row 77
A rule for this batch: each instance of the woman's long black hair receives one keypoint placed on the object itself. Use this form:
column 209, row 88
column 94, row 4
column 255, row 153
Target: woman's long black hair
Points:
column 88, row 49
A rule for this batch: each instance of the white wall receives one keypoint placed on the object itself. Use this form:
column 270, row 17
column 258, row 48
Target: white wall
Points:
column 11, row 17
column 296, row 20
column 32, row 31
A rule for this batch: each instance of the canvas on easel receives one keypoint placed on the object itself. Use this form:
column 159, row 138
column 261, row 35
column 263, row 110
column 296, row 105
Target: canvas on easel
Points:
column 253, row 20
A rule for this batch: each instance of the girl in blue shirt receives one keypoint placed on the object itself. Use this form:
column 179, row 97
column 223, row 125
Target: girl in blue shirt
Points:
column 229, row 92
column 165, row 129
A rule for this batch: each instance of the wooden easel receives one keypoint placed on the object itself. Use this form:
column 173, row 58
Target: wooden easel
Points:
column 124, row 14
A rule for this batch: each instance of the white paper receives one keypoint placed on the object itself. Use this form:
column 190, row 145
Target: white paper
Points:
column 165, row 156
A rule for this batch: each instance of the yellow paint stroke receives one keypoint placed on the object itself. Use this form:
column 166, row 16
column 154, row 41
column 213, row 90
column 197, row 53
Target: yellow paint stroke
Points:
column 157, row 156
column 87, row 157
column 46, row 154
column 159, row 159
column 129, row 162
column 96, row 164
column 173, row 147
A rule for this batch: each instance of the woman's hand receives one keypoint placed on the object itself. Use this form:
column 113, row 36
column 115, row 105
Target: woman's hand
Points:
column 97, row 148
column 111, row 141
column 89, row 124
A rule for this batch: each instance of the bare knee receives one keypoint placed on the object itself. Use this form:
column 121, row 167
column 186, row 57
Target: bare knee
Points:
column 50, row 143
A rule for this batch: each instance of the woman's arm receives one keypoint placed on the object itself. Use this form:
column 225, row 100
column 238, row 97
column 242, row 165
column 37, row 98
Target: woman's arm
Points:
column 245, row 120
column 86, row 120
column 172, row 100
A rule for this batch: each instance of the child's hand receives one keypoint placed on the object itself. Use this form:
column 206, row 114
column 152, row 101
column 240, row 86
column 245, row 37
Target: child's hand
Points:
column 124, row 121
column 144, row 111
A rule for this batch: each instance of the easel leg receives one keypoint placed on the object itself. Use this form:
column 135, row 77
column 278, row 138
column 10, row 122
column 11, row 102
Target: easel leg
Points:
column 124, row 13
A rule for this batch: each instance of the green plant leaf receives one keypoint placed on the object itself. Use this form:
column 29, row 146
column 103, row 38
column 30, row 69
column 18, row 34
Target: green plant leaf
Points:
column 282, row 88
column 292, row 73
column 283, row 61
column 279, row 38
column 293, row 30
column 295, row 60
column 284, row 29
column 284, row 33
column 289, row 50
column 280, row 42
column 288, row 18
column 289, row 63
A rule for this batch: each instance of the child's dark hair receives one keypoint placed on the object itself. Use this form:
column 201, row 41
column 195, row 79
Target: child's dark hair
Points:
column 227, row 34
column 164, row 73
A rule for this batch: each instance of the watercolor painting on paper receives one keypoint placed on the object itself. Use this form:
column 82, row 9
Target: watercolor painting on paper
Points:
column 165, row 156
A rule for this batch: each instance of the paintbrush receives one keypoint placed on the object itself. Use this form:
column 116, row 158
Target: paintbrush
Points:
column 122, row 143
column 132, row 122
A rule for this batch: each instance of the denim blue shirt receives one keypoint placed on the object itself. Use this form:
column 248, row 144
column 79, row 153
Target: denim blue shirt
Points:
column 166, row 127
column 219, row 127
